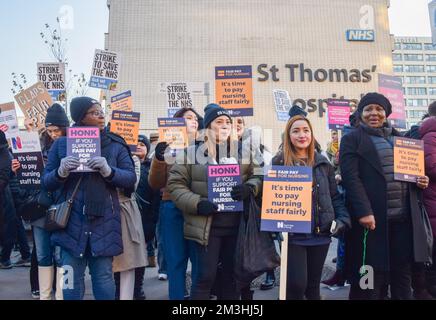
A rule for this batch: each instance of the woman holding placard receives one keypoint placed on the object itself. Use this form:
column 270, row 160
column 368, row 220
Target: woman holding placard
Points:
column 92, row 236
column 306, row 253
column 171, row 245
column 56, row 124
column 388, row 221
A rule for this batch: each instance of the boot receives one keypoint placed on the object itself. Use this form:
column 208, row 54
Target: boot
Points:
column 247, row 293
column 138, row 292
column 336, row 280
column 270, row 281
column 45, row 276
column 419, row 286
column 151, row 262
column 117, row 285
column 430, row 276
column 59, row 295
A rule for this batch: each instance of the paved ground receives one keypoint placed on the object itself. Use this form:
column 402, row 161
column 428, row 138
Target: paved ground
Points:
column 14, row 284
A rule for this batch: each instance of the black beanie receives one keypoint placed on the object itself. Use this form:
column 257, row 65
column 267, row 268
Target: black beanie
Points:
column 56, row 116
column 375, row 98
column 213, row 111
column 79, row 106
column 144, row 140
column 297, row 111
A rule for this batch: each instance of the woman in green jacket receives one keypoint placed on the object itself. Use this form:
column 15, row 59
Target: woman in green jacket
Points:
column 214, row 233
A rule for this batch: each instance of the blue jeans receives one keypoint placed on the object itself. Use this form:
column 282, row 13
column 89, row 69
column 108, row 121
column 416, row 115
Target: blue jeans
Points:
column 178, row 252
column 150, row 248
column 340, row 260
column 161, row 260
column 100, row 268
column 44, row 250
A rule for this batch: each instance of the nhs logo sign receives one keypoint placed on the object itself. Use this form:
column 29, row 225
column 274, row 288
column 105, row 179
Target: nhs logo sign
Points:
column 361, row 35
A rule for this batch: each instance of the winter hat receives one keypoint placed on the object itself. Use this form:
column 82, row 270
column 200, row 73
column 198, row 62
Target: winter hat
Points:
column 143, row 139
column 79, row 106
column 297, row 111
column 375, row 98
column 200, row 123
column 213, row 111
column 354, row 119
column 56, row 116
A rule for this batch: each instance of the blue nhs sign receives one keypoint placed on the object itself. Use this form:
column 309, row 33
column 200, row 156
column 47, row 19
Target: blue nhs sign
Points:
column 361, row 35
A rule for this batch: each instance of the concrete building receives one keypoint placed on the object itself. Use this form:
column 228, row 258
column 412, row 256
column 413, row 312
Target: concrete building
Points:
column 301, row 46
column 414, row 60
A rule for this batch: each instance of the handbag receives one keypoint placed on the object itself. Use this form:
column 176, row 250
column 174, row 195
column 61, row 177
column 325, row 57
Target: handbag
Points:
column 255, row 250
column 59, row 214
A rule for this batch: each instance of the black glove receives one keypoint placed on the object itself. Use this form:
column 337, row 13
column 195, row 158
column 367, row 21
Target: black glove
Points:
column 206, row 208
column 339, row 230
column 160, row 150
column 241, row 192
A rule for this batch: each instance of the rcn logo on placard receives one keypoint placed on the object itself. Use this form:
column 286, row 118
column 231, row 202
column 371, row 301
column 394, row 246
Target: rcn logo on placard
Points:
column 16, row 144
column 281, row 225
column 365, row 32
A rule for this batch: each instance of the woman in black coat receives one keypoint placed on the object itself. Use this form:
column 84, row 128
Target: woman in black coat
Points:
column 391, row 210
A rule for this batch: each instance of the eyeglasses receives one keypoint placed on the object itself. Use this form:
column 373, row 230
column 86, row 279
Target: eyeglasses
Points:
column 96, row 113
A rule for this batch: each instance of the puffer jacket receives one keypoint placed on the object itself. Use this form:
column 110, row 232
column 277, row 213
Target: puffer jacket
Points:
column 428, row 134
column 102, row 233
column 187, row 185
column 328, row 204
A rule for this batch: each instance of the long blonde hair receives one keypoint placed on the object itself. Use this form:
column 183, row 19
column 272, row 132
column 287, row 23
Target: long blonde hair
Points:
column 289, row 152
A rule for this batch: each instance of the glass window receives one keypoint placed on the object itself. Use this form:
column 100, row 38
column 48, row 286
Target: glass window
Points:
column 429, row 46
column 430, row 57
column 416, row 114
column 431, row 68
column 412, row 68
column 415, row 80
column 432, row 80
column 417, row 91
column 432, row 91
column 397, row 56
column 416, row 102
column 413, row 57
column 397, row 46
column 412, row 46
column 398, row 68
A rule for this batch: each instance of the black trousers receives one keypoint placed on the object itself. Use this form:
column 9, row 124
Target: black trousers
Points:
column 220, row 248
column 305, row 264
column 399, row 276
column 33, row 271
column 399, row 279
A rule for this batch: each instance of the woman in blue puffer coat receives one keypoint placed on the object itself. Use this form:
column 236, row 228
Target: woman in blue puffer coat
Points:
column 93, row 233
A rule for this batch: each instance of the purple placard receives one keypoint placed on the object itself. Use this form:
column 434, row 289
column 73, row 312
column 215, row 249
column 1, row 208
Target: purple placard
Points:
column 221, row 180
column 83, row 143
